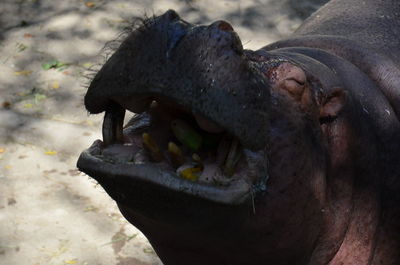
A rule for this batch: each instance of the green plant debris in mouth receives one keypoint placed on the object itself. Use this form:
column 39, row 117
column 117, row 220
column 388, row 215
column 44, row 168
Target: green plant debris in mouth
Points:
column 175, row 140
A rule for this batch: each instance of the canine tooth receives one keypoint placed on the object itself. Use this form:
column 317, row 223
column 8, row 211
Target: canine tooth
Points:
column 222, row 150
column 113, row 124
column 175, row 154
column 189, row 171
column 186, row 134
column 152, row 148
column 232, row 159
column 154, row 104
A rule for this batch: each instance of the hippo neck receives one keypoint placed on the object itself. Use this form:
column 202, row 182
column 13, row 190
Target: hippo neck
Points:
column 380, row 69
column 372, row 23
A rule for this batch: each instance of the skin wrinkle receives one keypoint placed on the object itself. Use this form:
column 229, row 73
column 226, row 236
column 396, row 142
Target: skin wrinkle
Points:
column 372, row 64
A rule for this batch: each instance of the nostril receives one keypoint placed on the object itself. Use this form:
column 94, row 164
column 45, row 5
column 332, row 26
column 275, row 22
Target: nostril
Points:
column 171, row 15
column 224, row 26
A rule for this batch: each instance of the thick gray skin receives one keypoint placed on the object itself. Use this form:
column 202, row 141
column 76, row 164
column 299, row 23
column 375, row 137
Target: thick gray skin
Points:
column 339, row 203
column 365, row 33
column 349, row 34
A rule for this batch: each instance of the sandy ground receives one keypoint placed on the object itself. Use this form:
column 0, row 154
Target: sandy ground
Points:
column 50, row 213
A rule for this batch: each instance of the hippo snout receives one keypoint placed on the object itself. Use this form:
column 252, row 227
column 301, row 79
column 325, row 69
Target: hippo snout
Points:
column 203, row 69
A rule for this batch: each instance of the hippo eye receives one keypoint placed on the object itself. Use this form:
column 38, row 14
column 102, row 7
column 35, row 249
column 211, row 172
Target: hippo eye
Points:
column 289, row 78
column 293, row 86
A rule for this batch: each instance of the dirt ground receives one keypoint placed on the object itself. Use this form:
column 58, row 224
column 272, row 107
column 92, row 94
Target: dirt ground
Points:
column 50, row 213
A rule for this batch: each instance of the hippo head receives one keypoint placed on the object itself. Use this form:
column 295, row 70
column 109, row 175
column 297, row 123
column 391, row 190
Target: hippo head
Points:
column 227, row 158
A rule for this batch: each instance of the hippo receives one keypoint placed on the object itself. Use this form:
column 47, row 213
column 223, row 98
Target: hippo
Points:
column 289, row 154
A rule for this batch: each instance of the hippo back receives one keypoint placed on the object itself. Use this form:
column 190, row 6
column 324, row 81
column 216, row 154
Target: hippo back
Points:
column 377, row 25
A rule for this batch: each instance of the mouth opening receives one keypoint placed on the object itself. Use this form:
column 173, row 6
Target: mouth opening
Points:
column 174, row 139
column 196, row 154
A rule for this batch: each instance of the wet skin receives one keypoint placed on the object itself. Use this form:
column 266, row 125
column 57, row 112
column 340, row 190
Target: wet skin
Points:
column 297, row 143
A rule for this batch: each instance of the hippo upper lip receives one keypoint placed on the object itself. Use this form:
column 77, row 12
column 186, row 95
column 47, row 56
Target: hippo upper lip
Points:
column 206, row 71
column 237, row 103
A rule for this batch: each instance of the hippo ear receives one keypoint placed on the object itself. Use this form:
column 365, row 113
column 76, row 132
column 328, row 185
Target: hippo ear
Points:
column 332, row 105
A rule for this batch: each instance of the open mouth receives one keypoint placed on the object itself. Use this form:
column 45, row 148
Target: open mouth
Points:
column 200, row 129
column 168, row 145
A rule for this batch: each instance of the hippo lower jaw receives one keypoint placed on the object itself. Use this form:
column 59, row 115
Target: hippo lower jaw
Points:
column 144, row 155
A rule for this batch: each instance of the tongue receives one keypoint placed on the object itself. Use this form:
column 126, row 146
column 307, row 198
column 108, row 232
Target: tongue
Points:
column 207, row 125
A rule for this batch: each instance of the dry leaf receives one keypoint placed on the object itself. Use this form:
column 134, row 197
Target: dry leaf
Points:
column 91, row 208
column 28, row 35
column 50, row 153
column 28, row 105
column 22, row 94
column 21, row 47
column 2, row 150
column 6, row 104
column 39, row 97
column 87, row 65
column 72, row 261
column 88, row 123
column 55, row 85
column 148, row 250
column 8, row 167
column 24, row 72
column 89, row 4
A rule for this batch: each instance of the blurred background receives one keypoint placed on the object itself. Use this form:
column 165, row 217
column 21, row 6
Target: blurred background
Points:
column 50, row 213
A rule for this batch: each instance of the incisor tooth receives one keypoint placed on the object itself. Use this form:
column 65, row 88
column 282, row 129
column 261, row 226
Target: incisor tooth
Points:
column 175, row 154
column 222, row 150
column 151, row 147
column 232, row 159
column 189, row 172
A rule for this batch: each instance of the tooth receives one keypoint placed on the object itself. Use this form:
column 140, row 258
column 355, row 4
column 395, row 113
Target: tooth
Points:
column 223, row 149
column 154, row 104
column 113, row 124
column 151, row 147
column 232, row 159
column 196, row 158
column 186, row 134
column 175, row 153
column 189, row 171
